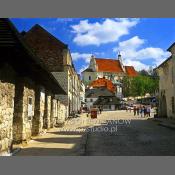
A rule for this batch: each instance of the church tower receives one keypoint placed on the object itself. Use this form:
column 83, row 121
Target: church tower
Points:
column 121, row 61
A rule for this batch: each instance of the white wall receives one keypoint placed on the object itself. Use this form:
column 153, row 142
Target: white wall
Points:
column 89, row 104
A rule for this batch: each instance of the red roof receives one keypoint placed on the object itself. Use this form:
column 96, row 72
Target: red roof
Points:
column 102, row 82
column 108, row 65
column 131, row 71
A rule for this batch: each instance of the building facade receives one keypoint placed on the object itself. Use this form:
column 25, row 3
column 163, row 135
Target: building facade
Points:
column 27, row 91
column 92, row 95
column 166, row 72
column 57, row 57
column 111, row 69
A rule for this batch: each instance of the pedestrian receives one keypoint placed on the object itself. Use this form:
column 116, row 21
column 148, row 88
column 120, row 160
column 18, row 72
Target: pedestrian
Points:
column 145, row 111
column 152, row 112
column 135, row 110
column 100, row 108
column 141, row 111
column 138, row 110
column 148, row 111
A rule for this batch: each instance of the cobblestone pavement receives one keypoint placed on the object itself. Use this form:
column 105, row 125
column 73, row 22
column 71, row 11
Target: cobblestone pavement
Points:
column 66, row 141
column 112, row 133
column 127, row 135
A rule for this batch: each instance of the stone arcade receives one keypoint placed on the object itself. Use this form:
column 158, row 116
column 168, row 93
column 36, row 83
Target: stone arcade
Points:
column 28, row 91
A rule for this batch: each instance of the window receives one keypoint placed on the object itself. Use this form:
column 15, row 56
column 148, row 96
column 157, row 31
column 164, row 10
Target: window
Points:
column 89, row 77
column 85, row 100
column 30, row 108
column 173, row 108
column 91, row 100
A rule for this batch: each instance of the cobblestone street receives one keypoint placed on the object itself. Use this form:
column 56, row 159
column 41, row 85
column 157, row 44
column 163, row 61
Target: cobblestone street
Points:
column 113, row 133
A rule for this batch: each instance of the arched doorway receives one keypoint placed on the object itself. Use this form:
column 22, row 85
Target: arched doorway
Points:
column 163, row 107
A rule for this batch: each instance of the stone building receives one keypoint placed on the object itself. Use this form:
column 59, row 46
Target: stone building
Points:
column 112, row 69
column 92, row 95
column 27, row 91
column 82, row 94
column 56, row 55
column 166, row 72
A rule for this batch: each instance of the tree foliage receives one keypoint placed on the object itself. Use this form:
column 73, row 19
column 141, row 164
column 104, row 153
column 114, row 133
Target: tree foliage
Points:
column 140, row 85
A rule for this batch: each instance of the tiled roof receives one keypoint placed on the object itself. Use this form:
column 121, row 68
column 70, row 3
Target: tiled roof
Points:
column 109, row 100
column 19, row 55
column 96, row 92
column 102, row 82
column 131, row 71
column 108, row 65
column 48, row 48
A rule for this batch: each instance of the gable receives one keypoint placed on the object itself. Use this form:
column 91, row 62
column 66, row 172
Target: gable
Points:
column 46, row 47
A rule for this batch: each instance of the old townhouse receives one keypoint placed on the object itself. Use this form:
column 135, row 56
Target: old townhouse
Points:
column 92, row 96
column 56, row 55
column 166, row 72
column 27, row 90
column 82, row 94
column 112, row 69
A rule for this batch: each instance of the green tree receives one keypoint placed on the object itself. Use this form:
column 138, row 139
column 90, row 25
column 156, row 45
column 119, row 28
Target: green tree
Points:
column 140, row 85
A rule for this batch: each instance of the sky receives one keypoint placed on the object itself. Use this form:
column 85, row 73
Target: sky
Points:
column 142, row 42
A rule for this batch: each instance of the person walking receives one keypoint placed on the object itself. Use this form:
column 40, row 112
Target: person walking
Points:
column 145, row 111
column 141, row 111
column 138, row 110
column 148, row 111
column 135, row 110
column 100, row 108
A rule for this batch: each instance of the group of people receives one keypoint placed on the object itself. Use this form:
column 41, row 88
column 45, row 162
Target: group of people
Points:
column 143, row 111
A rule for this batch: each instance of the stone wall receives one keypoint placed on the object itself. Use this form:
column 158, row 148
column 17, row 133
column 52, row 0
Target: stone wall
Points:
column 28, row 112
column 166, row 89
column 23, row 110
column 7, row 92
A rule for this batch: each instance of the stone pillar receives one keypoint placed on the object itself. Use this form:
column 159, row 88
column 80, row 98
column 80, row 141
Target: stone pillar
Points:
column 52, row 116
column 37, row 122
column 23, row 110
column 47, row 110
column 18, row 111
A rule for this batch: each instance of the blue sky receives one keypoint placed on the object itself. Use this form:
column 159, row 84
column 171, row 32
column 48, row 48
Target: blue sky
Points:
column 141, row 42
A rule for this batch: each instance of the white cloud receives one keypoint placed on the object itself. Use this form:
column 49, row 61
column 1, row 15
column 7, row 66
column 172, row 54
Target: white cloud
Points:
column 81, row 56
column 137, row 64
column 110, row 30
column 82, row 69
column 133, row 52
column 85, row 56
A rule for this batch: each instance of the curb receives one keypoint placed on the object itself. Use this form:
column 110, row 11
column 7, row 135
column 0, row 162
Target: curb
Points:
column 170, row 126
column 164, row 124
column 15, row 151
column 83, row 144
